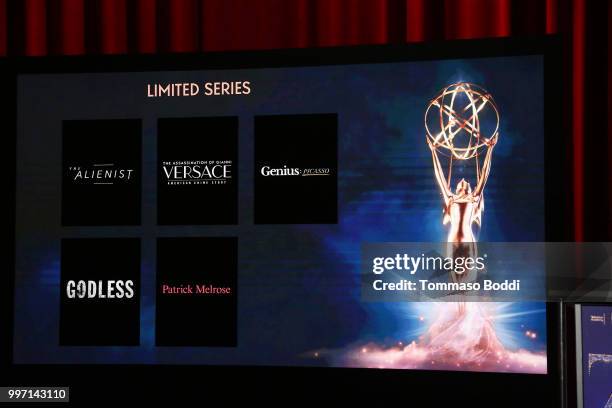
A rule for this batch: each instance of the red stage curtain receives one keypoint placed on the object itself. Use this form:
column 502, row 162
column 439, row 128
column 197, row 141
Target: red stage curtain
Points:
column 72, row 27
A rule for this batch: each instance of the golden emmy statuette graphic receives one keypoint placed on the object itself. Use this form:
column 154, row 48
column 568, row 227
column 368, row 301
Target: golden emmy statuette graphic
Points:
column 462, row 128
column 462, row 125
column 453, row 127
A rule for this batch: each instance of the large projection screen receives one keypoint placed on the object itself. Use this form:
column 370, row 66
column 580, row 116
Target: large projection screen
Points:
column 214, row 213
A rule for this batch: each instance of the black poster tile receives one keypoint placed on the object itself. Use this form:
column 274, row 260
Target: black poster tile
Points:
column 296, row 169
column 197, row 181
column 100, row 292
column 101, row 166
column 196, row 301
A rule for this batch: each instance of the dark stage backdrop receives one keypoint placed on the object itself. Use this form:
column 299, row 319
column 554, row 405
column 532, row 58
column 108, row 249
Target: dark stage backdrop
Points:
column 76, row 27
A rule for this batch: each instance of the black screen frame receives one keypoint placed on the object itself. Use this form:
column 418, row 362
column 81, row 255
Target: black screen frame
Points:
column 509, row 387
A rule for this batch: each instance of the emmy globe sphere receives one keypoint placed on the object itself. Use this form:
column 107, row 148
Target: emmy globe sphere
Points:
column 461, row 120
